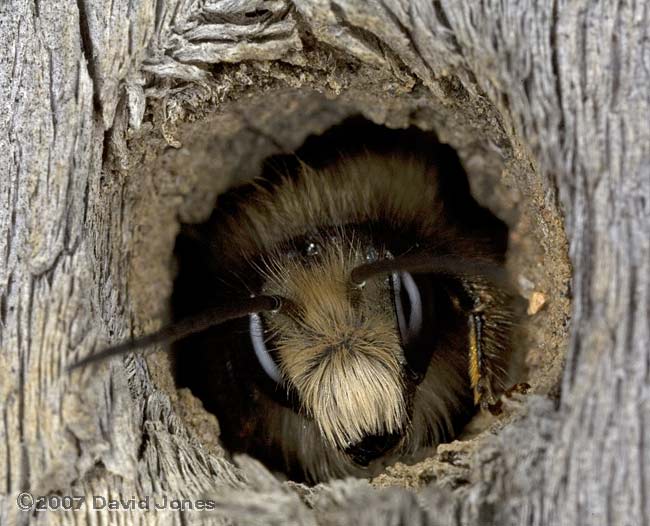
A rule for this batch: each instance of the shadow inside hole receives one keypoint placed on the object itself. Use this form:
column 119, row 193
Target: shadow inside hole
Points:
column 220, row 366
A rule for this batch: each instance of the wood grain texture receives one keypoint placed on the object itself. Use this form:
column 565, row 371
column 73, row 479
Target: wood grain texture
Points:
column 94, row 94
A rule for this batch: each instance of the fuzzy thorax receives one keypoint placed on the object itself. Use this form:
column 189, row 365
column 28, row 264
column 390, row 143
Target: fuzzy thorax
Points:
column 340, row 349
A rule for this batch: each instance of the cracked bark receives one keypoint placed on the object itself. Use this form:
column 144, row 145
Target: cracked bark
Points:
column 93, row 95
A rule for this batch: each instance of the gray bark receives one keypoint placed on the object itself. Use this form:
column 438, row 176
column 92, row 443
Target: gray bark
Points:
column 118, row 118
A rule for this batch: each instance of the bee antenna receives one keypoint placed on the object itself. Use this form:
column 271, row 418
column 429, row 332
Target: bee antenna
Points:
column 188, row 326
column 425, row 263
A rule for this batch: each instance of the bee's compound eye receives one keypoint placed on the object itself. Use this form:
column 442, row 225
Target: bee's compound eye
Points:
column 408, row 305
column 267, row 363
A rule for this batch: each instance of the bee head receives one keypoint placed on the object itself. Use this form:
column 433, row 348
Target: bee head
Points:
column 339, row 345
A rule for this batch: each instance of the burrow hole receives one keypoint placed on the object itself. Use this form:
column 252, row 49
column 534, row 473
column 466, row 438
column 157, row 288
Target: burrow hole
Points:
column 220, row 365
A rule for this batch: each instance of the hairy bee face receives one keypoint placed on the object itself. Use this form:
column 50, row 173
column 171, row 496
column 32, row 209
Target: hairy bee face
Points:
column 346, row 376
column 340, row 346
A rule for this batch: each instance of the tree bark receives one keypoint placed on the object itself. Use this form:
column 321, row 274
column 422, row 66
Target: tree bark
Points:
column 101, row 103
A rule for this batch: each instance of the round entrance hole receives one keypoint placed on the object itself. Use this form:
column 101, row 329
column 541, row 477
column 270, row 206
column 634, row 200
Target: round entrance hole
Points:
column 249, row 383
column 221, row 154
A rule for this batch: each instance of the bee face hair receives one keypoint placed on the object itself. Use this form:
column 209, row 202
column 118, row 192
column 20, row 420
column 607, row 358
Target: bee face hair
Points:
column 341, row 353
column 338, row 319
column 348, row 376
column 398, row 193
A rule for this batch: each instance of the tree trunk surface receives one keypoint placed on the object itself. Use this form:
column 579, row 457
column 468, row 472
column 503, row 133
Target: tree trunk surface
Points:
column 121, row 118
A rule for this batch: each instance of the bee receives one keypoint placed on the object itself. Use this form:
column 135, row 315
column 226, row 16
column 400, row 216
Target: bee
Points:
column 339, row 318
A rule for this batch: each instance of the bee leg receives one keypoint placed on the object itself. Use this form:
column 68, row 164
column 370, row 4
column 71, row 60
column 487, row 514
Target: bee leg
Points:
column 480, row 378
column 489, row 320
